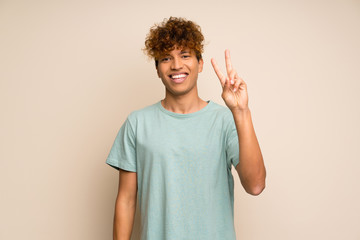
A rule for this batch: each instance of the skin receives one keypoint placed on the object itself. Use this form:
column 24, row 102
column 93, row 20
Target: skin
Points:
column 181, row 97
column 125, row 205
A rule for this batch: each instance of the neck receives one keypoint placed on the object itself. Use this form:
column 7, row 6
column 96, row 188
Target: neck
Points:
column 183, row 104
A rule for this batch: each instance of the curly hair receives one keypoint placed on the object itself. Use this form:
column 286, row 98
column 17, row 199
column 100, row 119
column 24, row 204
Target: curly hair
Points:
column 171, row 33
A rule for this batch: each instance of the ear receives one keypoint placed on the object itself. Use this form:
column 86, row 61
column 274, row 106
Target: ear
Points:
column 201, row 65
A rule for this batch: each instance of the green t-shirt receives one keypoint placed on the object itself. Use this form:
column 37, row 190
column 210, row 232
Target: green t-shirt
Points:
column 183, row 164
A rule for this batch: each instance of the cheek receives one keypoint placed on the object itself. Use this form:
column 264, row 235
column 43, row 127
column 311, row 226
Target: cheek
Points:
column 160, row 73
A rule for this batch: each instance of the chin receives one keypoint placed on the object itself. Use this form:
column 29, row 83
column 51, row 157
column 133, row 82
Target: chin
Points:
column 178, row 92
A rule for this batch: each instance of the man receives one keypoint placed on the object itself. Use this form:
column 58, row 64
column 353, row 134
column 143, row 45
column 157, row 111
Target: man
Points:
column 176, row 155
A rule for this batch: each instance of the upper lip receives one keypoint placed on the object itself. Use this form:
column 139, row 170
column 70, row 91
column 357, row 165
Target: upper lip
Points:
column 178, row 73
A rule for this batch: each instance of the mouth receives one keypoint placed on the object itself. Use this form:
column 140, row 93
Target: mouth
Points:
column 178, row 77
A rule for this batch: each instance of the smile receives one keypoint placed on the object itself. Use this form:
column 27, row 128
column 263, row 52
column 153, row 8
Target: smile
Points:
column 178, row 78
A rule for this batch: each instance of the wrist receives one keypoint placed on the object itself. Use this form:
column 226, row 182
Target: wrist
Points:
column 242, row 111
column 241, row 116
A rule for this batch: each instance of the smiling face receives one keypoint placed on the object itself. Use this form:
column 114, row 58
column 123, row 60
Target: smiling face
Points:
column 179, row 71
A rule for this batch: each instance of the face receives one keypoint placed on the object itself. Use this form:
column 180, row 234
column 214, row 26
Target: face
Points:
column 179, row 71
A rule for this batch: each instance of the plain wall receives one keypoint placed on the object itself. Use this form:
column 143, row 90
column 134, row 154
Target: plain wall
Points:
column 71, row 71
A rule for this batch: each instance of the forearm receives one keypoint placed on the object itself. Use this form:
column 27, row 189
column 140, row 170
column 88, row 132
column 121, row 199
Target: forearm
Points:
column 251, row 167
column 123, row 220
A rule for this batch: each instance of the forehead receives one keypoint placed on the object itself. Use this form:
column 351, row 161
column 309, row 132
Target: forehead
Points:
column 178, row 50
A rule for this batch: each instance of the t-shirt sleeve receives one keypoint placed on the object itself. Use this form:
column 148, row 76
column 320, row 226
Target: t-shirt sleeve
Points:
column 122, row 154
column 232, row 143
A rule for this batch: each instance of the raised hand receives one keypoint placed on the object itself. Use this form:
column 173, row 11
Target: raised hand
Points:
column 234, row 88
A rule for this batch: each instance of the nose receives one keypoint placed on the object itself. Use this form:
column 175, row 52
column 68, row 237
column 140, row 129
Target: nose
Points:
column 176, row 63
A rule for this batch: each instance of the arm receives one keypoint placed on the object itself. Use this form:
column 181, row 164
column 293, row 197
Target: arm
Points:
column 125, row 205
column 251, row 167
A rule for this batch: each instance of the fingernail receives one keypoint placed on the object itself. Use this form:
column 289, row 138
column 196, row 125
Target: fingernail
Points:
column 232, row 81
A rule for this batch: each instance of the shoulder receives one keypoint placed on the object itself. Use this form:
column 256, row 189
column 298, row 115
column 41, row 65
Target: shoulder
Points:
column 224, row 115
column 221, row 111
column 143, row 113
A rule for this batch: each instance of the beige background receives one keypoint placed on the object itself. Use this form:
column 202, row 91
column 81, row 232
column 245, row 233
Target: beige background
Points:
column 71, row 71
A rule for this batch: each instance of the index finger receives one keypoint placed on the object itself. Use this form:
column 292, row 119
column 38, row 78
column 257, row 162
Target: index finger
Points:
column 228, row 62
column 218, row 72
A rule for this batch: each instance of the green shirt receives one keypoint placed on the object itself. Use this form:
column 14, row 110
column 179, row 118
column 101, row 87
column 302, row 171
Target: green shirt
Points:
column 183, row 164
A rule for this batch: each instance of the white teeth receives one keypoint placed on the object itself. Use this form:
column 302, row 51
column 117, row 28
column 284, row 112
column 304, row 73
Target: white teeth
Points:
column 178, row 76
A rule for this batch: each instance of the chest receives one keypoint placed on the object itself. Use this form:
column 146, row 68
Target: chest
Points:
column 181, row 143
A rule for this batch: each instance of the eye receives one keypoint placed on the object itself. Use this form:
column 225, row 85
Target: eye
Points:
column 165, row 59
column 185, row 56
